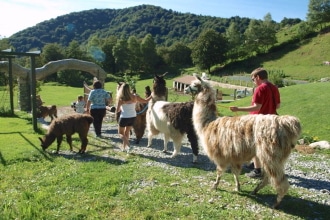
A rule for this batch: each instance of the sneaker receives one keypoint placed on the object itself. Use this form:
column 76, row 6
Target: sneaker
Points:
column 249, row 166
column 255, row 174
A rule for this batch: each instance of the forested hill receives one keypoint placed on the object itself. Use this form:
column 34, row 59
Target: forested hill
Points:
column 166, row 26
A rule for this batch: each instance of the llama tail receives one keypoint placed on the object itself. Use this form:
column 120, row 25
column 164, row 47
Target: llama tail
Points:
column 89, row 119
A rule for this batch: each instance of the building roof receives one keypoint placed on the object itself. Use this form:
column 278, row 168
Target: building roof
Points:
column 185, row 79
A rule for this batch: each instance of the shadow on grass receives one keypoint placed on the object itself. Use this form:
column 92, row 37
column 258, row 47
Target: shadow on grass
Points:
column 88, row 157
column 38, row 148
column 302, row 208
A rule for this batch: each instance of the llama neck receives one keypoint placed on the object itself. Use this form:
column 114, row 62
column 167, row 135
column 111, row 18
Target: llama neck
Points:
column 205, row 110
column 156, row 98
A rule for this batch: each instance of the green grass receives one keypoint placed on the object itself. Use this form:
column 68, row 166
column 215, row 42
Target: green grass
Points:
column 108, row 184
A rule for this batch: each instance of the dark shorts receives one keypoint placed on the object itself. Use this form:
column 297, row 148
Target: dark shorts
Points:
column 123, row 122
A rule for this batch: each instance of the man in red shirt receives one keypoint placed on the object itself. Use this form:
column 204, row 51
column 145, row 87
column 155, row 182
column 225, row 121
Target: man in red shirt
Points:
column 265, row 100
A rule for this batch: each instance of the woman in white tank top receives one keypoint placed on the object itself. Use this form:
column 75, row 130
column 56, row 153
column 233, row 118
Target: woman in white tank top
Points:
column 126, row 102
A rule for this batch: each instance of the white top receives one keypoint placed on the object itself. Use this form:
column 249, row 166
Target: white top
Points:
column 80, row 107
column 128, row 110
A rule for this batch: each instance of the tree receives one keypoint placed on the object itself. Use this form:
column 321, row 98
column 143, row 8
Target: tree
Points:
column 120, row 53
column 268, row 32
column 318, row 12
column 209, row 49
column 180, row 55
column 235, row 40
column 260, row 34
column 109, row 63
column 149, row 54
column 134, row 50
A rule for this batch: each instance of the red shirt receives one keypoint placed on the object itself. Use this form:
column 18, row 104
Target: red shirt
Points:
column 265, row 94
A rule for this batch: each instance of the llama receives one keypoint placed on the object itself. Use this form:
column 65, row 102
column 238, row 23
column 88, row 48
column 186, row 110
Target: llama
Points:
column 140, row 122
column 68, row 125
column 44, row 111
column 235, row 140
column 174, row 120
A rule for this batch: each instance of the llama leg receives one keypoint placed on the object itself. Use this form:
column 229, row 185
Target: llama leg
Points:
column 281, row 185
column 149, row 139
column 261, row 185
column 84, row 141
column 192, row 137
column 177, row 146
column 69, row 141
column 217, row 181
column 166, row 139
column 151, row 132
column 236, row 170
column 59, row 142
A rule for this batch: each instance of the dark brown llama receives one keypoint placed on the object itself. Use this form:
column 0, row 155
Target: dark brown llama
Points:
column 174, row 120
column 236, row 140
column 68, row 125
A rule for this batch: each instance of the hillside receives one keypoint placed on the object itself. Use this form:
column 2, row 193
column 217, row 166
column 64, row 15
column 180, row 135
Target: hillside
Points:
column 299, row 60
column 166, row 26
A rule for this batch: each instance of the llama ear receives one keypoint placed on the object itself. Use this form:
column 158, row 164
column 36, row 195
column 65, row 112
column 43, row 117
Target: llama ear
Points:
column 164, row 74
column 200, row 79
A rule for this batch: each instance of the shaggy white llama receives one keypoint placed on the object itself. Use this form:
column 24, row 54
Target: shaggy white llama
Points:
column 173, row 120
column 235, row 140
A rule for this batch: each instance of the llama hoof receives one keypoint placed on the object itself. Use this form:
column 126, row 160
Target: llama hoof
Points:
column 275, row 206
column 174, row 155
column 164, row 151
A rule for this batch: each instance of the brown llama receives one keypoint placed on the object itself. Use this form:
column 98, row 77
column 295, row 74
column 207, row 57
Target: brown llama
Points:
column 236, row 140
column 174, row 120
column 140, row 123
column 68, row 125
column 44, row 111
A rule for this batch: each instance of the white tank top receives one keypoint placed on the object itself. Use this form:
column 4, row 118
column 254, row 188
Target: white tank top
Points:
column 128, row 110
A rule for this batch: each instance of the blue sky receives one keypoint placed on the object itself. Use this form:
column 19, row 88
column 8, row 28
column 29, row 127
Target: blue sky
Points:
column 17, row 15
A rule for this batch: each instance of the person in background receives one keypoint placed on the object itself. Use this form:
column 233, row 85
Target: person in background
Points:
column 147, row 92
column 80, row 105
column 126, row 102
column 265, row 100
column 97, row 101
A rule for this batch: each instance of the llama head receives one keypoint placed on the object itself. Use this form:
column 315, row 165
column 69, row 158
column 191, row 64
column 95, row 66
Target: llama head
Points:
column 195, row 87
column 46, row 141
column 200, row 87
column 159, row 86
